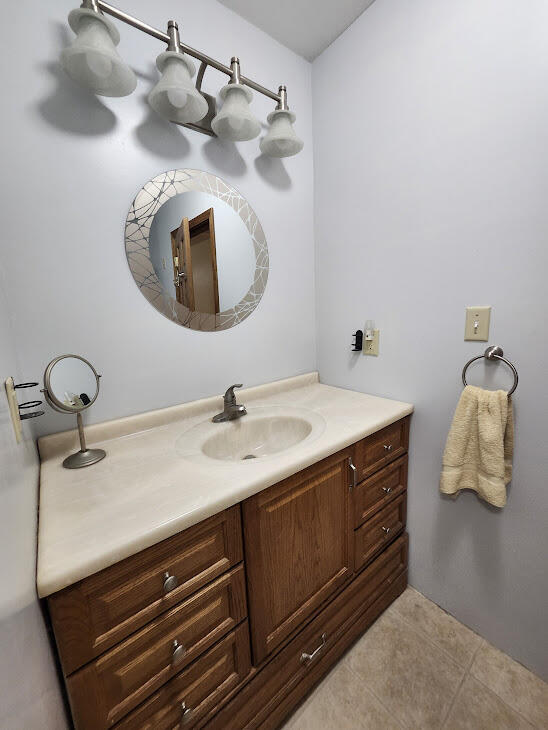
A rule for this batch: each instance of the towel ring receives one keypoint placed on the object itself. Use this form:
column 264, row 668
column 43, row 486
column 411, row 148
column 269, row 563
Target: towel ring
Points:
column 494, row 352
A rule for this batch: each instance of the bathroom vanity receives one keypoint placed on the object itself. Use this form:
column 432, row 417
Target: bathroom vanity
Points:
column 226, row 614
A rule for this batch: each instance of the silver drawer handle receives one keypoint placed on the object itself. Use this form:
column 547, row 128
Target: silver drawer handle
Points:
column 386, row 530
column 387, row 489
column 354, row 472
column 179, row 652
column 170, row 582
column 186, row 712
column 388, row 447
column 305, row 658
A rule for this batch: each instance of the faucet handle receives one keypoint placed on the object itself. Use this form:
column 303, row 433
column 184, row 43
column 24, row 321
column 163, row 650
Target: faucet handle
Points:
column 229, row 395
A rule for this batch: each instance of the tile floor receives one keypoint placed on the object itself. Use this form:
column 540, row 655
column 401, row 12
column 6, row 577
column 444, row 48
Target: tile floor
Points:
column 418, row 667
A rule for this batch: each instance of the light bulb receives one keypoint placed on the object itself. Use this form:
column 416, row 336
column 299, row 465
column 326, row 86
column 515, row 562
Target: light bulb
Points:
column 100, row 66
column 92, row 59
column 235, row 123
column 177, row 97
column 281, row 140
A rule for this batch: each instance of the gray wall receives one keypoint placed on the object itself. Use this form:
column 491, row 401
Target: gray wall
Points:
column 29, row 692
column 72, row 165
column 431, row 181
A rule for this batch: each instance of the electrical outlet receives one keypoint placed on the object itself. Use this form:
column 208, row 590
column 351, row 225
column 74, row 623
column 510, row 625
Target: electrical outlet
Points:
column 477, row 323
column 371, row 347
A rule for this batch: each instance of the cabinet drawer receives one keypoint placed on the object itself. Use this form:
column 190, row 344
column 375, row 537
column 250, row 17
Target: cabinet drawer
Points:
column 189, row 696
column 379, row 449
column 262, row 695
column 380, row 530
column 109, row 687
column 378, row 490
column 101, row 610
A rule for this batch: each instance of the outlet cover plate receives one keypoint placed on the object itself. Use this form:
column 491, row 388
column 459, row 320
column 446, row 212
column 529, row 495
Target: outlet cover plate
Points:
column 481, row 315
column 371, row 347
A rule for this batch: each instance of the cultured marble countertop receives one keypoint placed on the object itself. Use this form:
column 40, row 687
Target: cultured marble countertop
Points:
column 146, row 490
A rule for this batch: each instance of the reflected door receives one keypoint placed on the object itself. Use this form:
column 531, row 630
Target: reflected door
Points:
column 195, row 263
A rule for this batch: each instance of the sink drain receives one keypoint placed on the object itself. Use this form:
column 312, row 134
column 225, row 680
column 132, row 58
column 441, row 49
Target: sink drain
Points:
column 249, row 456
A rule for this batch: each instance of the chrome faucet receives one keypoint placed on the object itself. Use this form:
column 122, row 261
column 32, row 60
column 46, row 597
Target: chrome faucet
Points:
column 231, row 409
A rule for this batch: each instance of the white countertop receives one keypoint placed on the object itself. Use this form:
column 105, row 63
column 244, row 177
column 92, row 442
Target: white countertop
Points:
column 146, row 490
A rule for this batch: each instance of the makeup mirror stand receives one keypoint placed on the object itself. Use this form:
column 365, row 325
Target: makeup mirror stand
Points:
column 84, row 457
column 65, row 377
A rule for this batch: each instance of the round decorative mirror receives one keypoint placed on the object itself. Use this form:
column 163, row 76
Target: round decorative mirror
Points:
column 71, row 384
column 196, row 250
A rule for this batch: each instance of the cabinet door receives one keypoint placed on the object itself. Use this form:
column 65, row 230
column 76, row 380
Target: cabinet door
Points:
column 298, row 549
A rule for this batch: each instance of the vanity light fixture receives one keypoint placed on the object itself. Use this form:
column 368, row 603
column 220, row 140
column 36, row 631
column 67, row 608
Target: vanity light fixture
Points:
column 235, row 121
column 175, row 97
column 281, row 140
column 92, row 61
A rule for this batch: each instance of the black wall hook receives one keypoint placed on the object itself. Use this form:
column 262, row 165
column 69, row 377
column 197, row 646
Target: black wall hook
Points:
column 357, row 345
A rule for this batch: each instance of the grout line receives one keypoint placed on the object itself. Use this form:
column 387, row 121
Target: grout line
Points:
column 514, row 710
column 426, row 636
column 370, row 689
column 464, row 676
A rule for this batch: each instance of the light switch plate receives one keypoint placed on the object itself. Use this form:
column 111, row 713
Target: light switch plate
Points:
column 371, row 347
column 14, row 407
column 477, row 323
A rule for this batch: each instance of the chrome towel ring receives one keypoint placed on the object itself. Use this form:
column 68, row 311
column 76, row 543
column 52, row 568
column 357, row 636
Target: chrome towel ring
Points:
column 493, row 352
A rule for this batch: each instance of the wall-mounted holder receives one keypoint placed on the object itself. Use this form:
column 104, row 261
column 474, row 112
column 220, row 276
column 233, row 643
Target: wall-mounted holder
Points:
column 18, row 411
column 358, row 341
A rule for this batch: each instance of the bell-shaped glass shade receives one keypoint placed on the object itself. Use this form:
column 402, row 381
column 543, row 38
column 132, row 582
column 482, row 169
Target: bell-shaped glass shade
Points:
column 175, row 97
column 92, row 60
column 235, row 120
column 281, row 140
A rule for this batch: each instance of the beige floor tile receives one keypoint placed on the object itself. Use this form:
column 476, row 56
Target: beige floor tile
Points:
column 414, row 679
column 441, row 628
column 341, row 702
column 517, row 686
column 477, row 708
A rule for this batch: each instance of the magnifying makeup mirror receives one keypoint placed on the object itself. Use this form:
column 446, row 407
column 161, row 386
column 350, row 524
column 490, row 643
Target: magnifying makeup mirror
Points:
column 71, row 384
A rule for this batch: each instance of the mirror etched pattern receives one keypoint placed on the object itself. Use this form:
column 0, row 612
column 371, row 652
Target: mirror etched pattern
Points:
column 141, row 256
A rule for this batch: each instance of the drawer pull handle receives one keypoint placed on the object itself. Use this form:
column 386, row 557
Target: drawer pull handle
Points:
column 186, row 712
column 178, row 652
column 306, row 658
column 170, row 582
column 388, row 447
column 387, row 489
column 386, row 530
column 354, row 472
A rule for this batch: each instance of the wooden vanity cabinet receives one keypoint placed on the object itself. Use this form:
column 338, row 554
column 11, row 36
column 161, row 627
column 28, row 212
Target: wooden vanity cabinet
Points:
column 227, row 625
column 298, row 549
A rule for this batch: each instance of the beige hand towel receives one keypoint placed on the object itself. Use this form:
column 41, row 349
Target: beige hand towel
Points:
column 480, row 445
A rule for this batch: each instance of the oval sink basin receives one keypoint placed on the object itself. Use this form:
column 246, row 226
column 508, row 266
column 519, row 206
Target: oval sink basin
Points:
column 256, row 437
column 264, row 431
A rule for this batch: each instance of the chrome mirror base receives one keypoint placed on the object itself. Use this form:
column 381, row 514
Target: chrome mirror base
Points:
column 84, row 458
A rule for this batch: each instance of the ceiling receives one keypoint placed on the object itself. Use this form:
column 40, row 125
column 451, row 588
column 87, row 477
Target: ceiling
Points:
column 305, row 26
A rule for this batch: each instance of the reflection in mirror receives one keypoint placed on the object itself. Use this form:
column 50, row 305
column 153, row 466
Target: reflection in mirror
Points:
column 73, row 382
column 202, row 252
column 196, row 250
